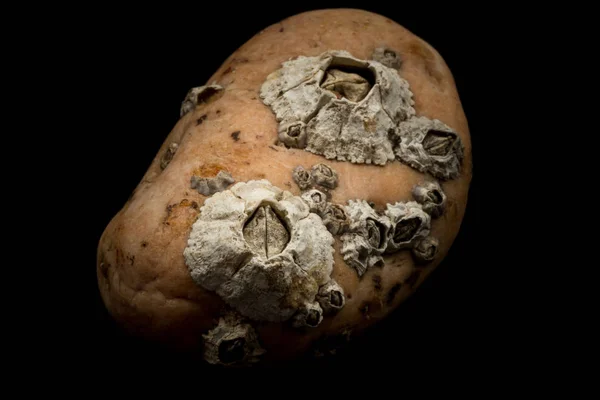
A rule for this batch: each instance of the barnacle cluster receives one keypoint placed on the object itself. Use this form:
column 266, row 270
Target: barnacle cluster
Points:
column 361, row 111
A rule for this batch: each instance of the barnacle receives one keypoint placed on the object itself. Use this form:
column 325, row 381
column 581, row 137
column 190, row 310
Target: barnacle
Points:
column 232, row 342
column 308, row 316
column 431, row 197
column 331, row 297
column 367, row 237
column 168, row 155
column 324, row 175
column 409, row 225
column 199, row 95
column 387, row 57
column 302, row 177
column 262, row 250
column 338, row 106
column 425, row 249
column 316, row 200
column 430, row 146
column 210, row 186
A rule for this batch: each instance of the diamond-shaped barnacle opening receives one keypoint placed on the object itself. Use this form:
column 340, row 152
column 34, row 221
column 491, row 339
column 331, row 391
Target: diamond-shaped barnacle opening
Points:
column 266, row 232
column 439, row 143
column 348, row 78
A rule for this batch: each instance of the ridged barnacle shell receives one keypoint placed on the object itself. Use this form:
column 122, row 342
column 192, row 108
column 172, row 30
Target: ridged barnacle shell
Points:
column 348, row 124
column 409, row 225
column 261, row 249
column 367, row 236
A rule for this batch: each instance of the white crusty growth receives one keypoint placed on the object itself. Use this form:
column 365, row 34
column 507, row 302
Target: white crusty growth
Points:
column 232, row 342
column 210, row 186
column 198, row 95
column 430, row 146
column 367, row 237
column 338, row 106
column 263, row 251
column 409, row 225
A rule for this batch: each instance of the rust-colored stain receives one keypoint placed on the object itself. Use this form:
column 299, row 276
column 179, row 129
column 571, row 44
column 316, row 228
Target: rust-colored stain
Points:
column 208, row 170
column 184, row 213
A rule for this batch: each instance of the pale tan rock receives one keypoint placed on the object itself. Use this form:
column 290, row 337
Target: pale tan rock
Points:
column 142, row 273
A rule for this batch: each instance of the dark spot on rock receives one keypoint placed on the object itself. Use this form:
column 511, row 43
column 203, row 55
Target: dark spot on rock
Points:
column 227, row 71
column 144, row 243
column 218, row 111
column 200, row 120
column 194, row 205
column 364, row 309
column 104, row 270
column 273, row 148
column 392, row 293
column 231, row 351
column 236, row 135
column 131, row 260
column 281, row 29
column 413, row 278
column 377, row 282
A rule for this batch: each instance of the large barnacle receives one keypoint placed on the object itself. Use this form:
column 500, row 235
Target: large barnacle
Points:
column 425, row 250
column 262, row 250
column 338, row 106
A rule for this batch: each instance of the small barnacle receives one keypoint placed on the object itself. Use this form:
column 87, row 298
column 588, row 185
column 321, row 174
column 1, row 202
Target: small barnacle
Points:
column 335, row 218
column 210, row 186
column 331, row 297
column 309, row 316
column 316, row 200
column 261, row 250
column 293, row 134
column 232, row 342
column 198, row 95
column 168, row 156
column 338, row 106
column 367, row 237
column 409, row 225
column 324, row 175
column 387, row 57
column 426, row 249
column 302, row 177
column 430, row 146
column 431, row 197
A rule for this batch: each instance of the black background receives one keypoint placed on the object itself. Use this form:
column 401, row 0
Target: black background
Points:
column 131, row 70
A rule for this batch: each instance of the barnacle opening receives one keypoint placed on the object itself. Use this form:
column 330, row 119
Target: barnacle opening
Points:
column 438, row 143
column 435, row 196
column 313, row 318
column 353, row 82
column 233, row 350
column 376, row 233
column 336, row 298
column 266, row 232
column 406, row 229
